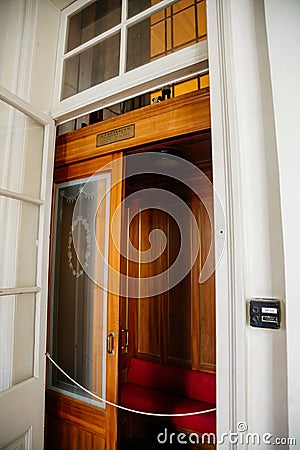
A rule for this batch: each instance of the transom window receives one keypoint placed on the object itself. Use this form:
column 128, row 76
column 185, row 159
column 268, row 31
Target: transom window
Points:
column 122, row 42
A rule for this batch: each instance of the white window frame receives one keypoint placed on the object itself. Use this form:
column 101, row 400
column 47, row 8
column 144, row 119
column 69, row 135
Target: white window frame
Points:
column 181, row 64
column 44, row 204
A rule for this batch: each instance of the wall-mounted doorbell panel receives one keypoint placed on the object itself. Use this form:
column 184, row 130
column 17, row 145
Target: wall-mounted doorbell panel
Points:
column 265, row 313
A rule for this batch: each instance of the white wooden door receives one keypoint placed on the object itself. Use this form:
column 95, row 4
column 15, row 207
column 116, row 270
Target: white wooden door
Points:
column 26, row 159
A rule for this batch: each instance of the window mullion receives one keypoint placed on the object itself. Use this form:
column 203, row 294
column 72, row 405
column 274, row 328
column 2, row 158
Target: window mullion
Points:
column 21, row 197
column 123, row 44
column 150, row 11
column 17, row 291
column 21, row 105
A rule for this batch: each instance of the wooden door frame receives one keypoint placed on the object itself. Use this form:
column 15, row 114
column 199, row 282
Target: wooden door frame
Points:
column 76, row 153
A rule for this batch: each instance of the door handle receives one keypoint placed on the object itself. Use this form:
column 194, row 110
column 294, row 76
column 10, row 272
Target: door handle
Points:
column 124, row 330
column 110, row 343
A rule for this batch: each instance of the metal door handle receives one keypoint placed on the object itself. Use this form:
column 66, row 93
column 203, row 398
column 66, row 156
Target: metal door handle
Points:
column 110, row 343
column 124, row 330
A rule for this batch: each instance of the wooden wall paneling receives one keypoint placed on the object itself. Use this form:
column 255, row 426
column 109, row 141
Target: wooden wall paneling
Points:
column 207, row 304
column 52, row 432
column 70, row 436
column 179, row 350
column 203, row 304
column 69, row 421
column 82, row 169
column 124, row 305
column 150, row 308
column 195, row 306
column 176, row 327
column 133, row 272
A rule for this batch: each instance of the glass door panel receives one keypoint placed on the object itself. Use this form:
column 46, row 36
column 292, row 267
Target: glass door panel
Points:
column 20, row 248
column 79, row 305
column 21, row 155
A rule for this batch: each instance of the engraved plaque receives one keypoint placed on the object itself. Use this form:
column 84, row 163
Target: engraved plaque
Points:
column 119, row 134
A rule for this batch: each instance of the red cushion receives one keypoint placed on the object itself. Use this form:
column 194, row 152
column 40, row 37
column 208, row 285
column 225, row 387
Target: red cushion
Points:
column 188, row 383
column 141, row 398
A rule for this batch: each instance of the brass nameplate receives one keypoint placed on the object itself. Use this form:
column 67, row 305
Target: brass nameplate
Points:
column 119, row 134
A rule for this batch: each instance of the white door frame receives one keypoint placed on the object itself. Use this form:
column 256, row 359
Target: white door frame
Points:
column 231, row 385
column 251, row 362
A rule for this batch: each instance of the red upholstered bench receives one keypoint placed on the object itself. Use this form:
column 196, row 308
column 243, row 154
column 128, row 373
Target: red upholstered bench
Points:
column 158, row 388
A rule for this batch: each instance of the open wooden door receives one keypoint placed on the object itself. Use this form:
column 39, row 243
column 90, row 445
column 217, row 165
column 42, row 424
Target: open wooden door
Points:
column 84, row 306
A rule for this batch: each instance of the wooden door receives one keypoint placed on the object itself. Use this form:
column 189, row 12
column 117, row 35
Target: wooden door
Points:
column 84, row 310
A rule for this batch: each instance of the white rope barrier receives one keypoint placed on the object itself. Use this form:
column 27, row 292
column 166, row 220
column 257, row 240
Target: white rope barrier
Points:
column 123, row 407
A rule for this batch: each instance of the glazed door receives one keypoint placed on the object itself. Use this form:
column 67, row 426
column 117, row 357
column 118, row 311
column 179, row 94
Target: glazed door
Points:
column 26, row 156
column 83, row 369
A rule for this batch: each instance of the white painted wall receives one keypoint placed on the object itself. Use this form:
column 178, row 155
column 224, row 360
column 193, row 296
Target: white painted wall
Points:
column 29, row 33
column 283, row 33
column 11, row 32
column 44, row 55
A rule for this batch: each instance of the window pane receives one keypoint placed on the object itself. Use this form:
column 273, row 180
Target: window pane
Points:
column 18, row 247
column 165, row 32
column 91, row 67
column 138, row 50
column 134, row 6
column 182, row 5
column 158, row 46
column 201, row 19
column 17, row 328
column 185, row 87
column 92, row 21
column 204, row 82
column 184, row 27
column 78, row 305
column 21, row 152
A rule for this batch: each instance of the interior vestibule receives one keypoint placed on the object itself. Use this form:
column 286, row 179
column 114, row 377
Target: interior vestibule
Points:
column 162, row 328
column 176, row 327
